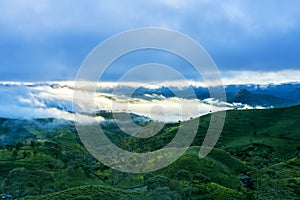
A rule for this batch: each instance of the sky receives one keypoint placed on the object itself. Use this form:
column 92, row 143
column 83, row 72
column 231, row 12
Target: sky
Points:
column 47, row 40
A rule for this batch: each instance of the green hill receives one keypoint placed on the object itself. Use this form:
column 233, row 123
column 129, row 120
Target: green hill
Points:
column 257, row 156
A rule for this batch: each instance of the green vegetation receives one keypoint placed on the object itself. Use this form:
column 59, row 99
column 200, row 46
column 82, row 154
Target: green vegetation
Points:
column 256, row 157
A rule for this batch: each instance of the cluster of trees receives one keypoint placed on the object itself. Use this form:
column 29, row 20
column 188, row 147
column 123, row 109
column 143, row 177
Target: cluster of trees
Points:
column 49, row 166
column 22, row 182
column 36, row 168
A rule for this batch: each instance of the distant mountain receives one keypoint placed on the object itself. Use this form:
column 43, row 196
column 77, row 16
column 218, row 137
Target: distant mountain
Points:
column 290, row 91
column 245, row 97
column 276, row 95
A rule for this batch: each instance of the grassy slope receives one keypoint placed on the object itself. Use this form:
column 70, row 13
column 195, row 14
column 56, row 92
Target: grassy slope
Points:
column 260, row 144
column 277, row 129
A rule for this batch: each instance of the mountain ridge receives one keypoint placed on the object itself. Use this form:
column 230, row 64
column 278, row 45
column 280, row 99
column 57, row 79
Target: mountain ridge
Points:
column 245, row 97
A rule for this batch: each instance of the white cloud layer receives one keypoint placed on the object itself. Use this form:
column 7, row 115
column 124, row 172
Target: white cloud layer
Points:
column 228, row 78
column 54, row 99
column 260, row 77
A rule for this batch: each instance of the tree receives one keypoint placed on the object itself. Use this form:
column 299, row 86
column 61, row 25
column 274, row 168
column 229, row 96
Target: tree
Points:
column 43, row 179
column 162, row 193
column 14, row 154
column 9, row 147
column 201, row 178
column 34, row 143
column 183, row 175
column 22, row 182
column 19, row 145
column 156, row 181
column 14, row 182
column 175, row 185
column 55, row 151
column 25, row 154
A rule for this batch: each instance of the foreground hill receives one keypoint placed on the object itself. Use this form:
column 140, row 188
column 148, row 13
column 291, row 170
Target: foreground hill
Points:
column 256, row 157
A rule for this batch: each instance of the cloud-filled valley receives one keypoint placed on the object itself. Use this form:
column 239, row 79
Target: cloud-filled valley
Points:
column 55, row 100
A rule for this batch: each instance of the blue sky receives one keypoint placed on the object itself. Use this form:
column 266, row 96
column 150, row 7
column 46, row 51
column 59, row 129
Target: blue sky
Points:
column 46, row 40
